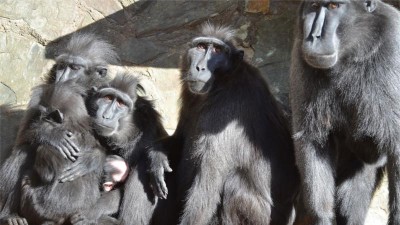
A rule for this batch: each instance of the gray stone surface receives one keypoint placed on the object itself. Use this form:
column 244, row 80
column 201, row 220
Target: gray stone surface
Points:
column 150, row 37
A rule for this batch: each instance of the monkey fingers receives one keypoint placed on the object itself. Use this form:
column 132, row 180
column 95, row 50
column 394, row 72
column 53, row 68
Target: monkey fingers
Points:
column 158, row 184
column 17, row 221
column 69, row 148
column 79, row 219
column 66, row 152
column 166, row 166
column 74, row 171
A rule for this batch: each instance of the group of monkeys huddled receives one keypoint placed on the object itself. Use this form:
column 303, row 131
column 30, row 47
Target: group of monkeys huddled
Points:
column 90, row 150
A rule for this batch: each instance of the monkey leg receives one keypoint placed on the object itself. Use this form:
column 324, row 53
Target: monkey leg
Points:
column 242, row 203
column 356, row 182
column 316, row 168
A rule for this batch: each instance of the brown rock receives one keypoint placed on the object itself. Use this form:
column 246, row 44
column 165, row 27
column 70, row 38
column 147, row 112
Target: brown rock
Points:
column 257, row 6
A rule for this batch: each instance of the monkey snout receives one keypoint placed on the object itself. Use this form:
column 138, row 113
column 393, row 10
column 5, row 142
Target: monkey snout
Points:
column 200, row 68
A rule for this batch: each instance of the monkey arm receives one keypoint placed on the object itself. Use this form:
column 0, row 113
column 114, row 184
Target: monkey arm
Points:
column 18, row 162
column 162, row 159
column 158, row 163
column 48, row 163
column 138, row 204
column 88, row 162
column 107, row 204
column 11, row 172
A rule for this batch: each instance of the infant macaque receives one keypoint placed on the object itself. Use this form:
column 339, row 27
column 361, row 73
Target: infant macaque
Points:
column 116, row 171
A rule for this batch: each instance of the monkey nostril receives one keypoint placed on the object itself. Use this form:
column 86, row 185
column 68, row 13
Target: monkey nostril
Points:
column 197, row 68
column 316, row 36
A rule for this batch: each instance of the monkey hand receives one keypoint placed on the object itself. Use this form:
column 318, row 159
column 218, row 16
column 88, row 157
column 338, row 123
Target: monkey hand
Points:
column 75, row 170
column 81, row 219
column 67, row 146
column 158, row 165
column 16, row 220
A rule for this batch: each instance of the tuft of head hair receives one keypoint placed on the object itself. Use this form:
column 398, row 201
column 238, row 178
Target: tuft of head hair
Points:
column 66, row 96
column 91, row 46
column 127, row 83
column 224, row 33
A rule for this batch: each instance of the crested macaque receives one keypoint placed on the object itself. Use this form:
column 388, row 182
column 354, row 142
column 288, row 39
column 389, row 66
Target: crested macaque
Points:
column 45, row 197
column 236, row 164
column 116, row 170
column 84, row 60
column 345, row 102
column 128, row 125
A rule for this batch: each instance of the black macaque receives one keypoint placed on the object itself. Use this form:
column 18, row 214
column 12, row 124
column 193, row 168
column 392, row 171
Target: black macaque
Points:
column 129, row 126
column 345, row 99
column 237, row 164
column 84, row 60
column 45, row 199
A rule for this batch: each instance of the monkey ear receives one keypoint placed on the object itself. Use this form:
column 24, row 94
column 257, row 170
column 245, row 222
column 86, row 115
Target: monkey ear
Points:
column 56, row 116
column 370, row 5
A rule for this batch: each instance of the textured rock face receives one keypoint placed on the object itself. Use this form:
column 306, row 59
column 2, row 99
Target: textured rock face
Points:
column 150, row 37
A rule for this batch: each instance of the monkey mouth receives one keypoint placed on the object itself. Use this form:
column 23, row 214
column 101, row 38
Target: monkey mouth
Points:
column 321, row 61
column 195, row 82
column 108, row 186
column 198, row 87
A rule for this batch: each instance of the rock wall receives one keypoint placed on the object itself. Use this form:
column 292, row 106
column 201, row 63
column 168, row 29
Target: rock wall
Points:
column 150, row 37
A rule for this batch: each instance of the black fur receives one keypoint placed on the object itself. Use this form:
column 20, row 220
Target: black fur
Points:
column 44, row 199
column 86, row 47
column 136, row 134
column 345, row 100
column 237, row 161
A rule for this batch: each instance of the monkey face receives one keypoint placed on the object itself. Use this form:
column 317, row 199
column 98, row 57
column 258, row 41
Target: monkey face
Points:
column 328, row 26
column 207, row 57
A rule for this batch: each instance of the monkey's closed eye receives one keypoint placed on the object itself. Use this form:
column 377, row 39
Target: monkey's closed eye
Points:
column 75, row 66
column 121, row 103
column 217, row 49
column 333, row 5
column 108, row 97
column 201, row 46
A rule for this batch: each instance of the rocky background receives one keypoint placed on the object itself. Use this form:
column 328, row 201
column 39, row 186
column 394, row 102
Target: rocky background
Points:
column 150, row 37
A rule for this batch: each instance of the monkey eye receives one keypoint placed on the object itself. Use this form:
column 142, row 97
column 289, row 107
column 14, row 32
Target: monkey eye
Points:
column 315, row 5
column 75, row 67
column 201, row 46
column 333, row 5
column 217, row 49
column 108, row 97
column 121, row 103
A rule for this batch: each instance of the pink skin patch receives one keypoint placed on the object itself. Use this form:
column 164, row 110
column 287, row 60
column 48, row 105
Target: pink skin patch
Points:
column 120, row 176
column 123, row 171
column 108, row 186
